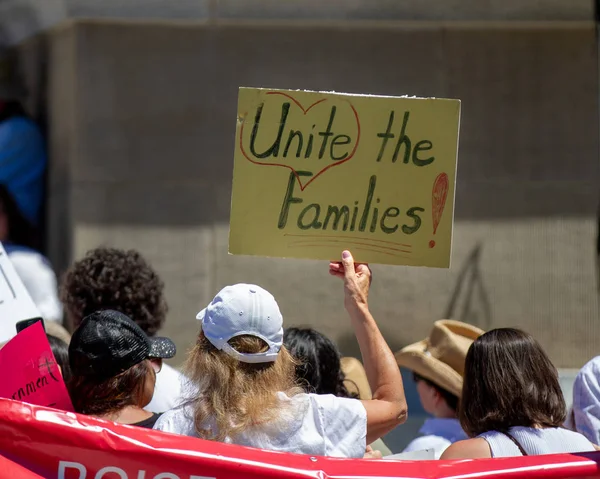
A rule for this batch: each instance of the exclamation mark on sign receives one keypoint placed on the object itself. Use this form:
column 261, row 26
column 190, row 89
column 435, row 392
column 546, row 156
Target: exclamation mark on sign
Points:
column 438, row 201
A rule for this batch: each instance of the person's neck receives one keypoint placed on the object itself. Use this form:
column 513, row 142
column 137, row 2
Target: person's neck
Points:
column 445, row 413
column 127, row 415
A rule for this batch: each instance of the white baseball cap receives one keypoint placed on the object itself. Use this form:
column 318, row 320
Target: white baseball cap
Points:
column 243, row 309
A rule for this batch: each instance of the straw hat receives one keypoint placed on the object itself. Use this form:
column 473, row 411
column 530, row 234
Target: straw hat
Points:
column 356, row 376
column 441, row 357
column 58, row 331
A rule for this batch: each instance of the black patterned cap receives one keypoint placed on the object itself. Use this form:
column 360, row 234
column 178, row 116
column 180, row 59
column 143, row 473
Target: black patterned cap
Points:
column 107, row 343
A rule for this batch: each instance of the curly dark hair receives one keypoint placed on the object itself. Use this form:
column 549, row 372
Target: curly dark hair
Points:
column 109, row 278
column 319, row 369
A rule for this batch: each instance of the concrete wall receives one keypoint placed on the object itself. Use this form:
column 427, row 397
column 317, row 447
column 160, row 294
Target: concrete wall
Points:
column 21, row 19
column 142, row 124
column 26, row 16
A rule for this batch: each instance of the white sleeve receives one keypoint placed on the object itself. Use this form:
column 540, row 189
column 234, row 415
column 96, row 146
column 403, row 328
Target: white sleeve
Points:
column 40, row 282
column 168, row 392
column 344, row 423
column 586, row 401
column 165, row 422
column 176, row 421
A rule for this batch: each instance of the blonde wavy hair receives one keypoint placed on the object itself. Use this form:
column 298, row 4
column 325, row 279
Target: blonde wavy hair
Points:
column 237, row 395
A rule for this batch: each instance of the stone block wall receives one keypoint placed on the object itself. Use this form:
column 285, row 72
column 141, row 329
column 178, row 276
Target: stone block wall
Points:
column 142, row 120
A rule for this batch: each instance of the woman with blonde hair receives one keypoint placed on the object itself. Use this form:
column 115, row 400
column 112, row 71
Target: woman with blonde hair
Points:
column 245, row 378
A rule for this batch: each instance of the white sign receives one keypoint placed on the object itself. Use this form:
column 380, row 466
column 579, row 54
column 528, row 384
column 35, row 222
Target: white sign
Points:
column 15, row 302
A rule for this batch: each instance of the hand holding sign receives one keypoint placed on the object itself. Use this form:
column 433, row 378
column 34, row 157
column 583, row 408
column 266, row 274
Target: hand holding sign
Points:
column 357, row 279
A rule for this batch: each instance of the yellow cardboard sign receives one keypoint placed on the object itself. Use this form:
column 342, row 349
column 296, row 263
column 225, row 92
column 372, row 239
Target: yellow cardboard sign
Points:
column 316, row 173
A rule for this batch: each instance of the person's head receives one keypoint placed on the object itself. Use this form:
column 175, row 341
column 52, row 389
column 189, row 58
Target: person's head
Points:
column 239, row 363
column 60, row 349
column 109, row 278
column 14, row 227
column 319, row 368
column 509, row 381
column 438, row 363
column 435, row 400
column 113, row 364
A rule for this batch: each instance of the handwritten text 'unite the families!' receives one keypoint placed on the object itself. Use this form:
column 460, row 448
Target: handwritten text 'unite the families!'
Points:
column 330, row 145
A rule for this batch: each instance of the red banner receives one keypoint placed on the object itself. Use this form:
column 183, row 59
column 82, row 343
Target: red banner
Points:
column 38, row 442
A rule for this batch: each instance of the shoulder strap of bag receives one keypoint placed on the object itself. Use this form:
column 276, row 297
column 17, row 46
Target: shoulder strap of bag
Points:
column 517, row 443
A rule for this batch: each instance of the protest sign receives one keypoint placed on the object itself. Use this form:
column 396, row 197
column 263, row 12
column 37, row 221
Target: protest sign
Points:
column 315, row 173
column 29, row 371
column 15, row 302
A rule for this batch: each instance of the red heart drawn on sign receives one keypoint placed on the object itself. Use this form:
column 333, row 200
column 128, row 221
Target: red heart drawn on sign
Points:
column 304, row 111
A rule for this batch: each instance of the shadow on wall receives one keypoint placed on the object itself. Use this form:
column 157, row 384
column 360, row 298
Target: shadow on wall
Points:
column 469, row 302
column 476, row 306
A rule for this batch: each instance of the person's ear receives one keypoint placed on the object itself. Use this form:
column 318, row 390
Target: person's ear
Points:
column 430, row 392
column 436, row 397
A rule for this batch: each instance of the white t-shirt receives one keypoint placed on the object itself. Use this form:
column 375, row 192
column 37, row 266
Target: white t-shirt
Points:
column 168, row 390
column 320, row 425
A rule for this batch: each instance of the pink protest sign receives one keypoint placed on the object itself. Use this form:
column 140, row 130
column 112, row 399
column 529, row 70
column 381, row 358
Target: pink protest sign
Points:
column 30, row 373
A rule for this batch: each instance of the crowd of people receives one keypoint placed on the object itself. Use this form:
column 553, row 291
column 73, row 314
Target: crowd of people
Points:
column 250, row 381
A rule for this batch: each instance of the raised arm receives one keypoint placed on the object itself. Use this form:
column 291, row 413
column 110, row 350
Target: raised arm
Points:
column 388, row 408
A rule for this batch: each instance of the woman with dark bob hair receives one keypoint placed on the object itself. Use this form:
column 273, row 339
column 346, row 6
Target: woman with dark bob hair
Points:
column 512, row 404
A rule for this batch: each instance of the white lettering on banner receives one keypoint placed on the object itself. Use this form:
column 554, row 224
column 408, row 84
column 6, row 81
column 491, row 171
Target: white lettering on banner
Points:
column 141, row 474
column 105, row 470
column 62, row 467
